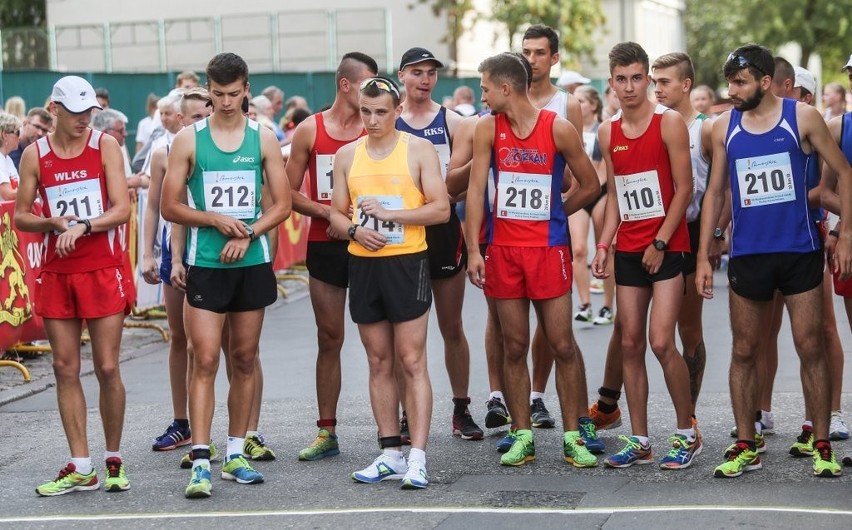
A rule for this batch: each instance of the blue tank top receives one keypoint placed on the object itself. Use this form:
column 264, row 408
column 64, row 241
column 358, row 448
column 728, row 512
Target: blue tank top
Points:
column 846, row 135
column 436, row 132
column 769, row 188
column 812, row 172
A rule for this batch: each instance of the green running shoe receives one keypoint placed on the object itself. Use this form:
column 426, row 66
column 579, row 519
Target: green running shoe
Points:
column 804, row 444
column 255, row 448
column 325, row 444
column 739, row 458
column 199, row 486
column 522, row 451
column 186, row 461
column 116, row 478
column 69, row 480
column 237, row 468
column 825, row 464
column 576, row 452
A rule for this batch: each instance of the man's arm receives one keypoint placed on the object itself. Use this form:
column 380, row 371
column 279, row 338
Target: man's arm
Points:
column 339, row 219
column 28, row 182
column 297, row 165
column 611, row 218
column 714, row 199
column 676, row 137
column 151, row 218
column 575, row 114
column 569, row 143
column 461, row 159
column 276, row 185
column 483, row 144
column 828, row 196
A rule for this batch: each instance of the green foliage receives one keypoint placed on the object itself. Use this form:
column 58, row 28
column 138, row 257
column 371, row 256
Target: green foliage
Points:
column 24, row 42
column 456, row 11
column 22, row 13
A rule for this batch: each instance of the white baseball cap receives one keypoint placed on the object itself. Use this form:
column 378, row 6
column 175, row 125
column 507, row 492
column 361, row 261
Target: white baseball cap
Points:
column 570, row 77
column 75, row 94
column 848, row 65
column 805, row 79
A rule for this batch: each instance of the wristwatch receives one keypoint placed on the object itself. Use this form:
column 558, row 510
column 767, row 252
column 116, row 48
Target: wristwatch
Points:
column 660, row 245
column 719, row 234
column 351, row 232
column 252, row 235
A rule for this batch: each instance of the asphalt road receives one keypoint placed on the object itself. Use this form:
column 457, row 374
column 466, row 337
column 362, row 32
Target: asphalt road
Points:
column 468, row 488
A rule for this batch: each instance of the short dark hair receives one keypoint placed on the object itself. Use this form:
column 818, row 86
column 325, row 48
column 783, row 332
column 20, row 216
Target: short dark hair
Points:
column 783, row 71
column 537, row 31
column 348, row 67
column 506, row 67
column 759, row 58
column 373, row 91
column 225, row 68
column 527, row 66
column 679, row 59
column 41, row 113
column 627, row 53
column 101, row 92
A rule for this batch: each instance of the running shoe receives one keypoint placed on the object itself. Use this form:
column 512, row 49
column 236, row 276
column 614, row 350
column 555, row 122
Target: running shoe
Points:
column 415, row 478
column 804, row 444
column 404, row 434
column 760, row 442
column 255, row 448
column 186, row 461
column 199, row 486
column 463, row 424
column 325, row 444
column 633, row 453
column 838, row 429
column 596, row 286
column 540, row 416
column 237, row 468
column 69, row 480
column 590, row 437
column 116, row 479
column 605, row 420
column 604, row 318
column 506, row 442
column 584, row 313
column 174, row 437
column 739, row 458
column 497, row 414
column 847, row 461
column 522, row 450
column 767, row 424
column 682, row 453
column 575, row 450
column 825, row 464
column 383, row 468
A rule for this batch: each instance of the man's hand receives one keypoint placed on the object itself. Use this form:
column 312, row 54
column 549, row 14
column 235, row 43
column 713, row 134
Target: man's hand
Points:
column 234, row 250
column 178, row 276
column 652, row 259
column 370, row 239
column 229, row 226
column 476, row 269
column 704, row 278
column 150, row 271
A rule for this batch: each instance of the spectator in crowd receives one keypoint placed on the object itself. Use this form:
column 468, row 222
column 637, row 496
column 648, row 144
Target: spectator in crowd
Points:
column 569, row 80
column 16, row 106
column 703, row 98
column 10, row 130
column 276, row 97
column 187, row 79
column 38, row 124
column 611, row 104
column 102, row 96
column 834, row 100
column 146, row 124
column 463, row 101
column 114, row 123
column 265, row 109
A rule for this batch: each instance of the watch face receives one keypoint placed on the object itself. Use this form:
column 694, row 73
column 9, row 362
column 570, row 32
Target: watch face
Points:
column 717, row 232
column 659, row 245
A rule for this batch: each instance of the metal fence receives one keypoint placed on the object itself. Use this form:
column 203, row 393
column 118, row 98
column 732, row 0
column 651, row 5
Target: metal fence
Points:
column 291, row 41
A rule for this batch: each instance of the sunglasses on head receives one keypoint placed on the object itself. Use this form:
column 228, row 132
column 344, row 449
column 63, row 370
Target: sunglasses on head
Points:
column 381, row 84
column 743, row 62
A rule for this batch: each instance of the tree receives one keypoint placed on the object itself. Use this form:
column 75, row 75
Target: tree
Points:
column 456, row 11
column 713, row 30
column 24, row 39
column 575, row 20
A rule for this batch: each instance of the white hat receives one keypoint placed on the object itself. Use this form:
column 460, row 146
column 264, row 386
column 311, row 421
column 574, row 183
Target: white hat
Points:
column 570, row 77
column 848, row 65
column 75, row 94
column 804, row 79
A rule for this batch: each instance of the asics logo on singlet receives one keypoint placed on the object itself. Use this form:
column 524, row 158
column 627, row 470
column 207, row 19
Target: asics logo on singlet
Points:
column 434, row 131
column 618, row 148
column 238, row 159
column 70, row 175
column 514, row 157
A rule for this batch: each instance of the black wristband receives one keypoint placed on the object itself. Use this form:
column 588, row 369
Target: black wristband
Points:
column 88, row 226
column 834, row 233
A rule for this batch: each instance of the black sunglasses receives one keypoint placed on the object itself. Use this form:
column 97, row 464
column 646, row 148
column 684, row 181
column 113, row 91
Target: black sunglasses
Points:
column 743, row 62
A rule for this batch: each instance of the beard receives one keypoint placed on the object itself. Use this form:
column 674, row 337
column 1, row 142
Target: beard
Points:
column 752, row 102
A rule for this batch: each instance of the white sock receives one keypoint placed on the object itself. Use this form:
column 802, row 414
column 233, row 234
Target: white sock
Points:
column 235, row 447
column 758, row 427
column 766, row 414
column 536, row 395
column 393, row 453
column 417, row 455
column 200, row 461
column 689, row 433
column 496, row 395
column 643, row 440
column 808, row 423
column 112, row 454
column 83, row 465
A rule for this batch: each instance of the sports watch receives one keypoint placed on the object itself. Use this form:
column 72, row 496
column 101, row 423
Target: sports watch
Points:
column 250, row 230
column 660, row 245
column 719, row 234
column 351, row 232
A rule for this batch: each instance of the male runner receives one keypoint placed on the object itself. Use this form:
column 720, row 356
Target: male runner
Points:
column 528, row 259
column 220, row 165
column 314, row 145
column 392, row 180
column 761, row 146
column 646, row 149
column 423, row 117
column 79, row 175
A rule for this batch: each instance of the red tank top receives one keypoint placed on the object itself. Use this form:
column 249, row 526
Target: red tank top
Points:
column 320, row 165
column 77, row 186
column 644, row 186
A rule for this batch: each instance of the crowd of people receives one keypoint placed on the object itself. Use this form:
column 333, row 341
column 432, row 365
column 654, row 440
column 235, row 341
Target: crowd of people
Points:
column 384, row 166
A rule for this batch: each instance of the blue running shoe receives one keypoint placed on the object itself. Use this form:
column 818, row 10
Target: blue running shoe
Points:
column 590, row 436
column 633, row 453
column 383, row 468
column 237, row 468
column 506, row 442
column 415, row 478
column 174, row 437
column 682, row 453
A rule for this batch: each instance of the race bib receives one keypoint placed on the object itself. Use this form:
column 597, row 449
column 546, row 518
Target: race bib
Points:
column 325, row 177
column 82, row 199
column 230, row 193
column 394, row 233
column 765, row 180
column 523, row 196
column 639, row 196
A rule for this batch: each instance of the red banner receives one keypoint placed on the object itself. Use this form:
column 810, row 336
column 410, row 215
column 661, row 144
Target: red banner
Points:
column 22, row 254
column 292, row 241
